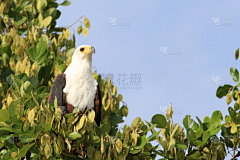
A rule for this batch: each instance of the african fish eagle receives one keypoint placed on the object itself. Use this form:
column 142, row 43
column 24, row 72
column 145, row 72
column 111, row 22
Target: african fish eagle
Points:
column 76, row 87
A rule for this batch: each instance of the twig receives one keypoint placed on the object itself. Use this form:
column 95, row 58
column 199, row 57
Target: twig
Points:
column 237, row 155
column 76, row 21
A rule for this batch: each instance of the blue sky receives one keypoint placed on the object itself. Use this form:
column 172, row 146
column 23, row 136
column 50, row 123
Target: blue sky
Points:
column 182, row 50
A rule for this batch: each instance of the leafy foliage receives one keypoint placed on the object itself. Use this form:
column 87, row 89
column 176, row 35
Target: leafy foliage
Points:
column 33, row 51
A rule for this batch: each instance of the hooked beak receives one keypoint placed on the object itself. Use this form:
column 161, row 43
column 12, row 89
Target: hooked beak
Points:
column 93, row 49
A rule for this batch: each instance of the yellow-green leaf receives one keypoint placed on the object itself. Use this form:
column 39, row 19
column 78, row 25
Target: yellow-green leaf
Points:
column 233, row 129
column 79, row 30
column 66, row 34
column 85, row 31
column 119, row 145
column 46, row 22
column 86, row 23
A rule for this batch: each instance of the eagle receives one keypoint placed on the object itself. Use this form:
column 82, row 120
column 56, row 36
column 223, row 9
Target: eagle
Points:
column 76, row 87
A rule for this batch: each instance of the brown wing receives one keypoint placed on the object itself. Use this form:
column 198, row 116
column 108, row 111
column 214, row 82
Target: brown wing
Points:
column 98, row 105
column 57, row 90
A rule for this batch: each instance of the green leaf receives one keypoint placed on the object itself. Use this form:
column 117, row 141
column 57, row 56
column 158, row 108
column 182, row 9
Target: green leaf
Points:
column 44, row 23
column 26, row 139
column 4, row 129
column 32, row 53
column 206, row 126
column 199, row 133
column 50, row 12
column 136, row 122
column 205, row 136
column 1, row 145
column 174, row 130
column 70, row 52
column 41, row 4
column 65, row 3
column 74, row 135
column 62, row 67
column 135, row 151
column 114, row 119
column 45, row 73
column 141, row 142
column 234, row 74
column 70, row 157
column 17, row 128
column 4, row 115
column 6, row 137
column 196, row 155
column 86, row 22
column 214, row 130
column 80, row 29
column 58, row 14
column 232, row 113
column 160, row 120
column 42, row 89
column 150, row 127
column 43, row 58
column 216, row 118
column 179, row 145
column 42, row 46
column 234, row 93
column 94, row 139
column 187, row 121
column 195, row 126
column 171, row 144
column 143, row 155
column 153, row 136
column 9, row 144
column 33, row 81
column 190, row 134
column 237, row 54
column 223, row 90
column 48, row 126
column 206, row 119
column 24, row 150
column 13, row 111
column 21, row 21
column 236, row 106
column 105, row 128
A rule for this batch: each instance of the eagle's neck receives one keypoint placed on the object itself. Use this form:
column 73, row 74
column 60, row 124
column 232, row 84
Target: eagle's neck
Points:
column 84, row 66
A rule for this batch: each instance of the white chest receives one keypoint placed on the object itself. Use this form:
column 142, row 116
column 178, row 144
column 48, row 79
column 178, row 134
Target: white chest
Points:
column 80, row 91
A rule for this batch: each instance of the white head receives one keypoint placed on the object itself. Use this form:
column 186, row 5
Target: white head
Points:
column 83, row 52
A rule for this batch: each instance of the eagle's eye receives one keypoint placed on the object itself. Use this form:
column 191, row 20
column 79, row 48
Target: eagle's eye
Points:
column 81, row 49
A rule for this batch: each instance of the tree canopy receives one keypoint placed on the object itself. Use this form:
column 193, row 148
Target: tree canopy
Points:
column 33, row 51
